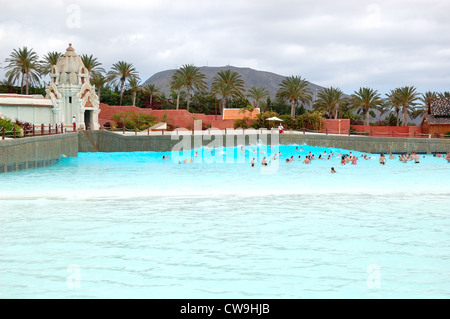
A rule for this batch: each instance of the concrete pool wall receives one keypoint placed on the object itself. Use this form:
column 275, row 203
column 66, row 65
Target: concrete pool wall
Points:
column 104, row 141
column 24, row 153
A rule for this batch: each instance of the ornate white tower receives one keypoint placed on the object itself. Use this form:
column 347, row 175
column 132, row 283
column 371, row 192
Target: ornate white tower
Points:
column 72, row 93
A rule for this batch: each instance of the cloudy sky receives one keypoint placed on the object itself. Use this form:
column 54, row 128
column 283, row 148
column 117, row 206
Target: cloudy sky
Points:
column 345, row 44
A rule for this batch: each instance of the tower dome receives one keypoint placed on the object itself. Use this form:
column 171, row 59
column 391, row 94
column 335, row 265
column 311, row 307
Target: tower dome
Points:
column 72, row 93
column 69, row 69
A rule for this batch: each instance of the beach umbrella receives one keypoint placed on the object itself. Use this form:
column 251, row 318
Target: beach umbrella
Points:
column 274, row 119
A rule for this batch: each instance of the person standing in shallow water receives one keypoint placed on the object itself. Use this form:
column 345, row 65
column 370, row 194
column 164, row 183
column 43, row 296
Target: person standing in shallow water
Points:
column 382, row 159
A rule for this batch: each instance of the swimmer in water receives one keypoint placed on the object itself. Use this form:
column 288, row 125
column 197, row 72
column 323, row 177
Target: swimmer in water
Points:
column 264, row 162
column 416, row 158
column 290, row 160
column 332, row 170
column 382, row 159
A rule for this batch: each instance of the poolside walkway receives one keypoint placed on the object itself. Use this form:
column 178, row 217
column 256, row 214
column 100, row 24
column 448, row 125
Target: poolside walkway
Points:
column 216, row 132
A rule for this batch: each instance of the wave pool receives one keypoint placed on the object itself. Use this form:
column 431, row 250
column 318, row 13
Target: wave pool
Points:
column 135, row 225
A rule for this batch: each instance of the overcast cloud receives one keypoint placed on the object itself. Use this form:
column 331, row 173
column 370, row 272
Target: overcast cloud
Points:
column 345, row 44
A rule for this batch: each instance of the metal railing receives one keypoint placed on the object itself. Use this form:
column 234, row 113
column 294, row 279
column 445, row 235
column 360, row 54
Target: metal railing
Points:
column 228, row 131
column 35, row 130
column 60, row 129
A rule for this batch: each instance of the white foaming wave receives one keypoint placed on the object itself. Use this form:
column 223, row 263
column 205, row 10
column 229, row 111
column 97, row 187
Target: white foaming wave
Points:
column 82, row 195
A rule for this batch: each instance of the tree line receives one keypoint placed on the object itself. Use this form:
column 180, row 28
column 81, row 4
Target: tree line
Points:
column 122, row 84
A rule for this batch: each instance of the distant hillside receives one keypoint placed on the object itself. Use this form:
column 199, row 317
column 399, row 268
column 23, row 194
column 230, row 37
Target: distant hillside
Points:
column 251, row 77
column 268, row 80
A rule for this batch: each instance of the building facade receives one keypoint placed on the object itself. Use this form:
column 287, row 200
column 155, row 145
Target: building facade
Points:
column 437, row 120
column 69, row 94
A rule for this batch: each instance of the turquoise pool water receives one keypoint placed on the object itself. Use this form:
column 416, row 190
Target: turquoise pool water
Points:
column 132, row 225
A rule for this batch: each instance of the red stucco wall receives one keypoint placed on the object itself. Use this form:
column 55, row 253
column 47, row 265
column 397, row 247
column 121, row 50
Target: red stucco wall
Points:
column 339, row 126
column 389, row 131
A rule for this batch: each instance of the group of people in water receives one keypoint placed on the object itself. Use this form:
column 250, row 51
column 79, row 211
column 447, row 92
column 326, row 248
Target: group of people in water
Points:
column 306, row 160
column 447, row 158
column 404, row 158
column 439, row 155
column 345, row 158
column 350, row 158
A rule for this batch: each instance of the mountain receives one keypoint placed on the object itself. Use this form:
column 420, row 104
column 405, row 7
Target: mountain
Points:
column 251, row 77
column 270, row 81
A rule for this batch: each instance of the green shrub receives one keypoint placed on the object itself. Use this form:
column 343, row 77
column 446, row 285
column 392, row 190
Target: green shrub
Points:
column 310, row 120
column 241, row 123
column 132, row 120
column 8, row 125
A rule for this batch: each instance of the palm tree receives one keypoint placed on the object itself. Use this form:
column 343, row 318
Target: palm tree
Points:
column 119, row 73
column 176, row 84
column 393, row 102
column 162, row 98
column 330, row 100
column 98, row 80
column 295, row 89
column 407, row 96
column 257, row 93
column 48, row 62
column 228, row 84
column 24, row 65
column 133, row 83
column 365, row 100
column 193, row 79
column 426, row 98
column 152, row 90
column 15, row 72
column 91, row 64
